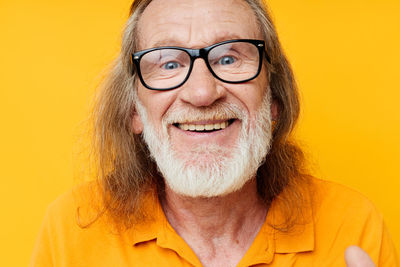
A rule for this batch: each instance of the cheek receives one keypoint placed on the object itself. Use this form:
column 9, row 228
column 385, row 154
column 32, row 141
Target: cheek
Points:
column 251, row 98
column 252, row 93
column 260, row 91
column 156, row 103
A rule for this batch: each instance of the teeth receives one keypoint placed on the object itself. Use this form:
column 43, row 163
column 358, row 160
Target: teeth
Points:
column 202, row 127
column 199, row 127
column 209, row 127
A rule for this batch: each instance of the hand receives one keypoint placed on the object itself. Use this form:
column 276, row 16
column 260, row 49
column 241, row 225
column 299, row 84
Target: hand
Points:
column 356, row 257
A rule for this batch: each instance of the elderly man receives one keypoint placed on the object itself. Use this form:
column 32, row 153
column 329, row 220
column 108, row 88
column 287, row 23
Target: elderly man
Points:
column 196, row 162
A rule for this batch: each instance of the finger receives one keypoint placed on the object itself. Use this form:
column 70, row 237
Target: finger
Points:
column 356, row 257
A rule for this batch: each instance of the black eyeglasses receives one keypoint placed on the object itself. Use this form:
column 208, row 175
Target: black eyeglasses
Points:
column 169, row 67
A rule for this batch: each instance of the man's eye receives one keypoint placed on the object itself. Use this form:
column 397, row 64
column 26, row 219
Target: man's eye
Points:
column 226, row 60
column 171, row 65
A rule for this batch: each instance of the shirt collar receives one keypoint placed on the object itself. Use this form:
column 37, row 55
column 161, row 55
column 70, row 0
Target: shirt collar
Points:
column 300, row 238
column 158, row 228
column 149, row 228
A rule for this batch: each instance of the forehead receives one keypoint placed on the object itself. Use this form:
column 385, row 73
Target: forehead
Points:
column 196, row 23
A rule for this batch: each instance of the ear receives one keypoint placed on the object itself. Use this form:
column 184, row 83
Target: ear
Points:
column 137, row 124
column 274, row 110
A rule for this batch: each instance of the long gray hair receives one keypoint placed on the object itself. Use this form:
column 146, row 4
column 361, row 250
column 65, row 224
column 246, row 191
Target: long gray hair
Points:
column 125, row 171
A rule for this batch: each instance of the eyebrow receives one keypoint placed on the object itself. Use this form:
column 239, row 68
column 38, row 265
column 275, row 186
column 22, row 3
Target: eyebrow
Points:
column 174, row 42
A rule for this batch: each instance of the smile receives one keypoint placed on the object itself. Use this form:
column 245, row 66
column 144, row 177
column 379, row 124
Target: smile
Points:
column 204, row 127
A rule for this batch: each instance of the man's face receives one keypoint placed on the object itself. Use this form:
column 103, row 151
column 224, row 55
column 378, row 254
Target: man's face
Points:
column 202, row 100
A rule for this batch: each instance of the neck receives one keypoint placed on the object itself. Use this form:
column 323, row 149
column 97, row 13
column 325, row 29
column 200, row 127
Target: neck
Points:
column 211, row 224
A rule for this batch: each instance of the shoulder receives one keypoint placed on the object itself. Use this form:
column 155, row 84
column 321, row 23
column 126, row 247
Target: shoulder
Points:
column 344, row 217
column 69, row 215
column 84, row 197
column 331, row 199
column 73, row 229
column 332, row 193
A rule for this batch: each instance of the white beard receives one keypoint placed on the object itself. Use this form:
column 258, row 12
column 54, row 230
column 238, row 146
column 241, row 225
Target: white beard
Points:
column 210, row 170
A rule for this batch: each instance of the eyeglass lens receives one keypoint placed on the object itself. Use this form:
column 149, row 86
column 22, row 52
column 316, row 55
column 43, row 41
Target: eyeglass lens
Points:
column 232, row 62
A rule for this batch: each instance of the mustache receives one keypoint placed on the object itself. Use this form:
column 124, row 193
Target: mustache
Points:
column 217, row 111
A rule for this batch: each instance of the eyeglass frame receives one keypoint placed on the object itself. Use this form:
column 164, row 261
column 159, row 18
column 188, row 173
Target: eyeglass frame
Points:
column 199, row 53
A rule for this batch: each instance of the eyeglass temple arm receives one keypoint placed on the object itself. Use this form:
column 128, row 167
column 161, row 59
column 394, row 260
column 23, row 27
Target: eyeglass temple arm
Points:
column 267, row 57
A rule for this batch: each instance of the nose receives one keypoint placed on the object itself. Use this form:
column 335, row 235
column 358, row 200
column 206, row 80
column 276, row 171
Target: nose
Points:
column 201, row 89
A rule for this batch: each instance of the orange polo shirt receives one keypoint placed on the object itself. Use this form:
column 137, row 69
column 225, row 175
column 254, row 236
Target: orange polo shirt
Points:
column 339, row 217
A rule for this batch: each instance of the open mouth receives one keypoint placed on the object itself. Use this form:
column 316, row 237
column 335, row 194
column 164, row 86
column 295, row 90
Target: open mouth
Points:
column 210, row 127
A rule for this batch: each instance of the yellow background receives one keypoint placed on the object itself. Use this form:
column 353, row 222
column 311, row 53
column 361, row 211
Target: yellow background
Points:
column 345, row 54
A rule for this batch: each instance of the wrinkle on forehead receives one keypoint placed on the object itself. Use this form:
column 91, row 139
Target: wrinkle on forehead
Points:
column 196, row 23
